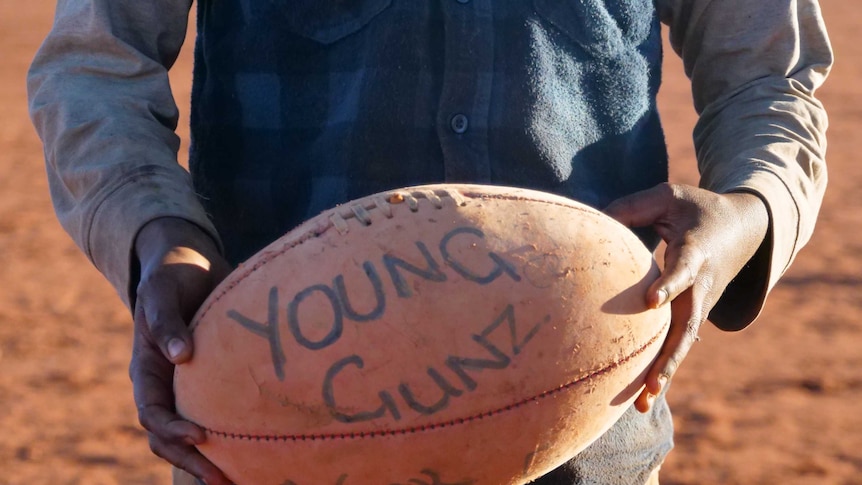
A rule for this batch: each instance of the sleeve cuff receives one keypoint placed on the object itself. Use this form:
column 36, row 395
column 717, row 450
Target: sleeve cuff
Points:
column 150, row 194
column 744, row 298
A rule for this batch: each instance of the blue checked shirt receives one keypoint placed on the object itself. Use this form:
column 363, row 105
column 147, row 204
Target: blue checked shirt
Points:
column 295, row 110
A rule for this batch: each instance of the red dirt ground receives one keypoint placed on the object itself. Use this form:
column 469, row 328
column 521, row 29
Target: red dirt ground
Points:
column 775, row 404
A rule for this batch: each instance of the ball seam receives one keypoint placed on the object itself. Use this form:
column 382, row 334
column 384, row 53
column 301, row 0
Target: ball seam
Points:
column 439, row 425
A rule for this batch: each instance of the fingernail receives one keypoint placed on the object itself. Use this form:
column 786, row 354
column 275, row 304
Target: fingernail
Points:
column 661, row 297
column 175, row 347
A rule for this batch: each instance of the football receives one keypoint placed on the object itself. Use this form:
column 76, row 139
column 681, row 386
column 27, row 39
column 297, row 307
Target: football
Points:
column 441, row 334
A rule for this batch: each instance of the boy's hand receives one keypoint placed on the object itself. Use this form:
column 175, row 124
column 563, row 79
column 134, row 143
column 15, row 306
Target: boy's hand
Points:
column 710, row 237
column 180, row 266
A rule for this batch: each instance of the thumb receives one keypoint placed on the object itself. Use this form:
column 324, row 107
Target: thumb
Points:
column 162, row 319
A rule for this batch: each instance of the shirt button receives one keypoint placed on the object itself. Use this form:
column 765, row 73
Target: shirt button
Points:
column 459, row 123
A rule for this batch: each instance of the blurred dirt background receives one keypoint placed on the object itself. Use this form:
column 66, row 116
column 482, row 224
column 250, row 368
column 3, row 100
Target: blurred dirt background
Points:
column 775, row 404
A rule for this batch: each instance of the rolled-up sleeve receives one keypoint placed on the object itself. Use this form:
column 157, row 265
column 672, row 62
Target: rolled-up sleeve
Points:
column 101, row 102
column 755, row 67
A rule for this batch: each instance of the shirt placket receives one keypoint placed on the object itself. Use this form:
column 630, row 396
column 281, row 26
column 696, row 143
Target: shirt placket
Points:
column 462, row 116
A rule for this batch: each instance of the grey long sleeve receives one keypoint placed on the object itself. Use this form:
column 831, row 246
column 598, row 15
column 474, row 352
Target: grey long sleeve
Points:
column 755, row 67
column 101, row 101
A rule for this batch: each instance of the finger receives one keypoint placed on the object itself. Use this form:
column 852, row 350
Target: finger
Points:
column 153, row 393
column 189, row 459
column 686, row 318
column 645, row 401
column 643, row 208
column 683, row 262
column 169, row 427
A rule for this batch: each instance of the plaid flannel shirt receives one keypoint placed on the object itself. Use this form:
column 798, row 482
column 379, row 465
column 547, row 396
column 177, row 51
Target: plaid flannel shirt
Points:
column 298, row 109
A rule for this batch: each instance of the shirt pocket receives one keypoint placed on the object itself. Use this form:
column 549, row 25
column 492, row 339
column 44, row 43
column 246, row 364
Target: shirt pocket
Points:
column 601, row 28
column 327, row 21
